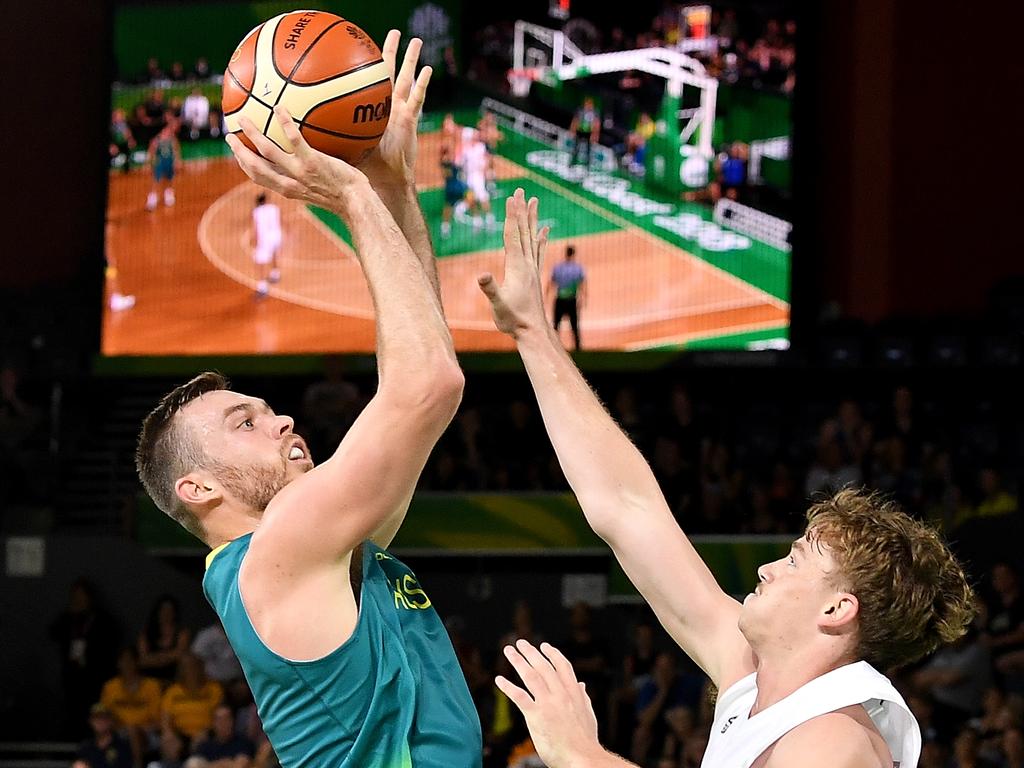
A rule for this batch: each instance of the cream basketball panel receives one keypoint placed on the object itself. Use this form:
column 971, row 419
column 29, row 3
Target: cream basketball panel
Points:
column 300, row 99
column 266, row 88
column 268, row 82
column 256, row 112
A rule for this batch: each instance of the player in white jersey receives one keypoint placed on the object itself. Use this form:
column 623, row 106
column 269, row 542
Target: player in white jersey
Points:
column 266, row 223
column 866, row 586
column 475, row 160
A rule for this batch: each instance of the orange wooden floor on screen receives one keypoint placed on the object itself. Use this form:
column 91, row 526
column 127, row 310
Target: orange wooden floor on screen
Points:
column 189, row 268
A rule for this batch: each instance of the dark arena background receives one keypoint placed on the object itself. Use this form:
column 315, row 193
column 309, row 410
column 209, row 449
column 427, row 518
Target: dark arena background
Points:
column 798, row 226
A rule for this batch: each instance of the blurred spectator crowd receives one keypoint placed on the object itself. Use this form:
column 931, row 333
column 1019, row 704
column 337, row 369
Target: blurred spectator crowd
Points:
column 174, row 698
column 749, row 47
column 171, row 698
column 186, row 99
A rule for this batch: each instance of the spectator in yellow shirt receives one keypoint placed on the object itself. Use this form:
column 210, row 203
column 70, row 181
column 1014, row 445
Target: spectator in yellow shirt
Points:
column 996, row 500
column 134, row 701
column 188, row 705
column 636, row 144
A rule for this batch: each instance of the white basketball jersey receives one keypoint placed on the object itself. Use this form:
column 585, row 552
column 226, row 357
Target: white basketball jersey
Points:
column 474, row 158
column 267, row 218
column 737, row 739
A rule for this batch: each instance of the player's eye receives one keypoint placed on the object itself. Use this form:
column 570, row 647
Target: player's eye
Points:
column 248, row 424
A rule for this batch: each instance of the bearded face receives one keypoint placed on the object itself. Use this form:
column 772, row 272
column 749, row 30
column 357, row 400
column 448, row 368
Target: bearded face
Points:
column 253, row 485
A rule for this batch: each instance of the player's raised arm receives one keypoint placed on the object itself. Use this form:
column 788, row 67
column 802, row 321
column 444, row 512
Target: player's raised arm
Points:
column 391, row 166
column 330, row 510
column 615, row 487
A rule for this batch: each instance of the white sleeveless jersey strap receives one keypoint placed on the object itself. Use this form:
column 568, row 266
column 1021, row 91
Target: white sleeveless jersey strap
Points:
column 737, row 740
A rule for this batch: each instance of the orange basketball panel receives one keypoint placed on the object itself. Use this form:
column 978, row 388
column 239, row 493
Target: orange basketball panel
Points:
column 243, row 67
column 245, row 140
column 232, row 95
column 295, row 33
column 352, row 151
column 360, row 114
column 343, row 48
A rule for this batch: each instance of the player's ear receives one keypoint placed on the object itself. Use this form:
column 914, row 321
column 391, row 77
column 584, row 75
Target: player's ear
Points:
column 197, row 489
column 839, row 613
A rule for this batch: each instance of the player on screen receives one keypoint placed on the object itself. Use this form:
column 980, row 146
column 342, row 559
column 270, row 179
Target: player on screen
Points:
column 585, row 130
column 568, row 284
column 164, row 157
column 490, row 135
column 475, row 159
column 122, row 142
column 454, row 188
column 266, row 225
column 347, row 659
column 796, row 661
column 450, row 135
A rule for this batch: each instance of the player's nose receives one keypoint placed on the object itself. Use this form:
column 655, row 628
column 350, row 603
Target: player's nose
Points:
column 283, row 425
column 763, row 573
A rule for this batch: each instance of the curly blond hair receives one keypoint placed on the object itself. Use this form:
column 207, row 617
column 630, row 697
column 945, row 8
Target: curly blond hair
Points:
column 913, row 593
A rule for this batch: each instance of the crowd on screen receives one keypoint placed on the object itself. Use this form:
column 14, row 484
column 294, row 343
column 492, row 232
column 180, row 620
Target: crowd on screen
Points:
column 743, row 48
column 749, row 49
column 189, row 108
column 753, row 49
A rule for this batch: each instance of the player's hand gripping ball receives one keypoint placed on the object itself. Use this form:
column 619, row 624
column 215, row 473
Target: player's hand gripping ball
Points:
column 324, row 70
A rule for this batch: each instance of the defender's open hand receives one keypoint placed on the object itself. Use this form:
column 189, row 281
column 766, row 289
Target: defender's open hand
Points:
column 557, row 709
column 517, row 303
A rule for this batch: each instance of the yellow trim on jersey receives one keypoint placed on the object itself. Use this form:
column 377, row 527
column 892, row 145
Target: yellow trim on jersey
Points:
column 213, row 553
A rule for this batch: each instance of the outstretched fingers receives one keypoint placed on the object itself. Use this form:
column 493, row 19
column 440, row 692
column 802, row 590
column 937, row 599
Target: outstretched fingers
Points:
column 510, row 233
column 389, row 51
column 561, row 666
column 531, row 217
column 419, row 92
column 524, row 659
column 542, row 245
column 406, row 76
column 517, row 695
column 523, row 222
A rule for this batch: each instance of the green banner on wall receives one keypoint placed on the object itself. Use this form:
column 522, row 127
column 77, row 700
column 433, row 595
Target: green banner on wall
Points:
column 497, row 524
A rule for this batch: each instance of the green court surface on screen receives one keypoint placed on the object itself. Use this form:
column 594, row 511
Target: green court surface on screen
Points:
column 565, row 220
column 760, row 264
column 573, row 210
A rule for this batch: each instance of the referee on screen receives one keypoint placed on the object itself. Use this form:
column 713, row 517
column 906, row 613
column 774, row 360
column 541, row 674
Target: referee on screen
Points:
column 567, row 282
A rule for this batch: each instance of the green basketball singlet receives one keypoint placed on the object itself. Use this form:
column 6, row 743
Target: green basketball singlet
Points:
column 391, row 696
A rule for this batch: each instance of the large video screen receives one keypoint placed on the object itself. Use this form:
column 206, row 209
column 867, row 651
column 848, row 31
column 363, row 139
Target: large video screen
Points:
column 660, row 155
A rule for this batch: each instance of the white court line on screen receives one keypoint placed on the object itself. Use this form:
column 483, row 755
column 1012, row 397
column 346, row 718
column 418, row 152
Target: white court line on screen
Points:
column 275, row 290
column 703, row 334
column 627, row 225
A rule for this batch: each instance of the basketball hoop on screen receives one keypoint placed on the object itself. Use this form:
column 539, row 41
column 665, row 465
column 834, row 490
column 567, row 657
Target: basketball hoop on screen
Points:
column 520, row 80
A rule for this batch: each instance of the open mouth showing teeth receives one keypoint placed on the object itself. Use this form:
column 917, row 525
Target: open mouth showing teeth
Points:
column 296, row 453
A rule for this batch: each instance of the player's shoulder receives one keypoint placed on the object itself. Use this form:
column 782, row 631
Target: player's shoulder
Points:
column 853, row 742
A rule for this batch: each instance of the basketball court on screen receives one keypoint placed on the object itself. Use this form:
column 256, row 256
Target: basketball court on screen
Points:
column 662, row 274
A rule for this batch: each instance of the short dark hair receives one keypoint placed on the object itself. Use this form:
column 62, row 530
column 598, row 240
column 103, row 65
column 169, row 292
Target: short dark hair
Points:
column 570, row 251
column 165, row 451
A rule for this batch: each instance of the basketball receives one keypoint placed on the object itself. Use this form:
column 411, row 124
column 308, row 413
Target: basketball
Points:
column 327, row 72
